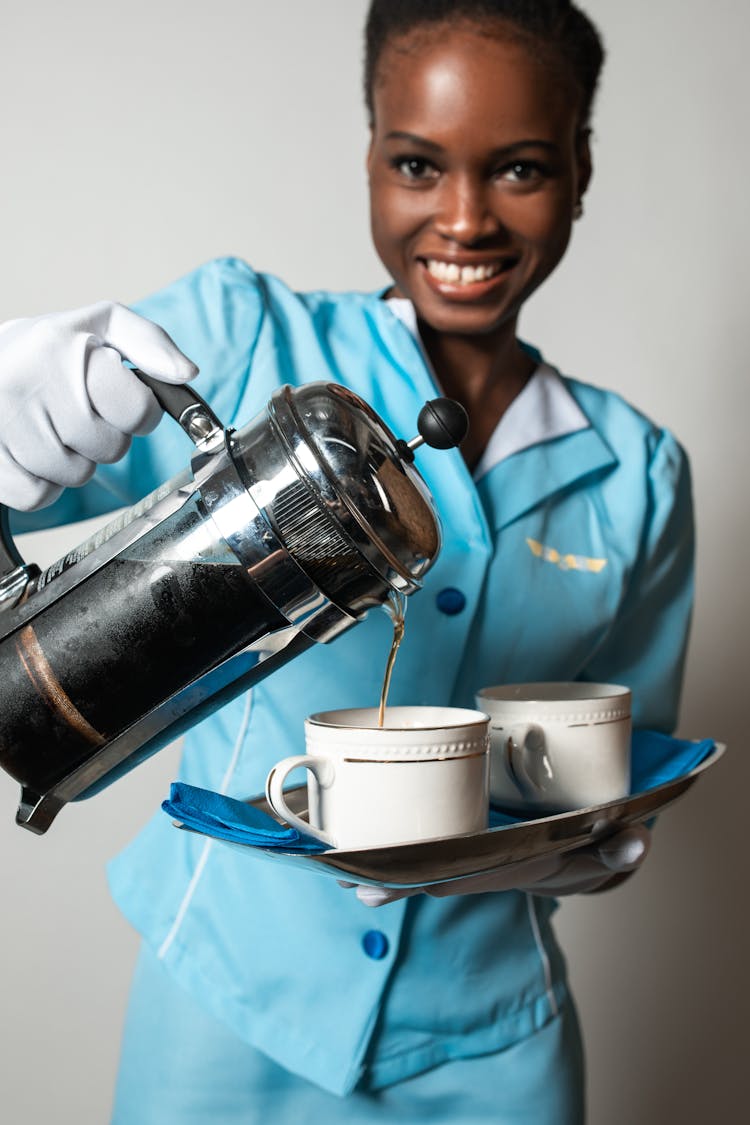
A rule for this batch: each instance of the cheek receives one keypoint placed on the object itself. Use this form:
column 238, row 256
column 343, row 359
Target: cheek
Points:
column 544, row 222
column 396, row 214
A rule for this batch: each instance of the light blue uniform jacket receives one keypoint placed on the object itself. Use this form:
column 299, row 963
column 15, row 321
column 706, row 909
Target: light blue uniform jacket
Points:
column 278, row 954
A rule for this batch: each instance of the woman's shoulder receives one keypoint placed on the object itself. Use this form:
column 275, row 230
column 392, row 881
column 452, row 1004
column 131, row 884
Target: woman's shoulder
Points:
column 623, row 425
column 228, row 316
column 236, row 277
column 227, row 298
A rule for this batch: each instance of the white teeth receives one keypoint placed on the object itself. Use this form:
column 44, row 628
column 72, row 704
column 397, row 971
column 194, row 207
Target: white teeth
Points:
column 461, row 275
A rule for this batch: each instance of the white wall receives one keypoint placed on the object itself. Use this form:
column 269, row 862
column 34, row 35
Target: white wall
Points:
column 143, row 138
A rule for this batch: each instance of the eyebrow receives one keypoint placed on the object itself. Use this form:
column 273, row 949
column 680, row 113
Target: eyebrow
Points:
column 503, row 150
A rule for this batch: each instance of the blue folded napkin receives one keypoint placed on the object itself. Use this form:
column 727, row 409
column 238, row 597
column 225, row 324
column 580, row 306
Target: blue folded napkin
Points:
column 226, row 818
column 656, row 758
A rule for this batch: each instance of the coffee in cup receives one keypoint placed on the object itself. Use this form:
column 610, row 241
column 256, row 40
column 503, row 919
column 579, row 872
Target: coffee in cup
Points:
column 423, row 775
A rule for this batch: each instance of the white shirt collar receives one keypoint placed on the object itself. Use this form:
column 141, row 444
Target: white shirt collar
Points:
column 544, row 409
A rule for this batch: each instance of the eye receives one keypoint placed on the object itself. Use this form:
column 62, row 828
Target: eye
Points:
column 523, row 172
column 415, row 168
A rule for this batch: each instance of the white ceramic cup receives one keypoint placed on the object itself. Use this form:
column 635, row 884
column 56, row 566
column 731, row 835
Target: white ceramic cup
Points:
column 422, row 776
column 558, row 746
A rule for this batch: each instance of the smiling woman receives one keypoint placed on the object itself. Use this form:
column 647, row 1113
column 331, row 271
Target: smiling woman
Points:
column 453, row 1006
column 477, row 164
column 457, row 184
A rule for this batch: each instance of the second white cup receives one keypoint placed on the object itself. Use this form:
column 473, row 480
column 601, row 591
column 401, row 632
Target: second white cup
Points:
column 558, row 746
column 422, row 776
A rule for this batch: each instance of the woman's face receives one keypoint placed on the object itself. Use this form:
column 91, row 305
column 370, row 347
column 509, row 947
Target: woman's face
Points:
column 476, row 164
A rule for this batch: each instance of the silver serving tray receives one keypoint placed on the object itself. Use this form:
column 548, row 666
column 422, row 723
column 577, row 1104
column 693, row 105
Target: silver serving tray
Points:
column 455, row 857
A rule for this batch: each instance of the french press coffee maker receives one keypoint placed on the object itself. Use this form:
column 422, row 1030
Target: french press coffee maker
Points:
column 277, row 536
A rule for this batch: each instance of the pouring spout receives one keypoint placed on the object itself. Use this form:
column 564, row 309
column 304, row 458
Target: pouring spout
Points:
column 37, row 812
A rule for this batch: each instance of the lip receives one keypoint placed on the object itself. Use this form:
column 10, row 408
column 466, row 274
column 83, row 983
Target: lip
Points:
column 455, row 291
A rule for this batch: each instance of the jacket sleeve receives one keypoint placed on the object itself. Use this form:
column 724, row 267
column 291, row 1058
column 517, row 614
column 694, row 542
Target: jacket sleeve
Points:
column 646, row 646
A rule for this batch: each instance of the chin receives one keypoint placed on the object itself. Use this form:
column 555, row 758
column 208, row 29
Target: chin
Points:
column 464, row 320
column 479, row 317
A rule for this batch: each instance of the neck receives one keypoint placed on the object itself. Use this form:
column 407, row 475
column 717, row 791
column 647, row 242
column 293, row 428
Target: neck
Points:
column 483, row 373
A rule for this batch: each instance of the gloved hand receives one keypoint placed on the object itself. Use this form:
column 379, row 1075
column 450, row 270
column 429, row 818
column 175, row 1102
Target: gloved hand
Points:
column 67, row 403
column 578, row 872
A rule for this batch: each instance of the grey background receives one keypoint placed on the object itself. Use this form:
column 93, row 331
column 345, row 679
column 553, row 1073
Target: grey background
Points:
column 140, row 139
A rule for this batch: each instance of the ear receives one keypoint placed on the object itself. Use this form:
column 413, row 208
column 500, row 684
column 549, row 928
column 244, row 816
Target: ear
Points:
column 583, row 159
column 368, row 162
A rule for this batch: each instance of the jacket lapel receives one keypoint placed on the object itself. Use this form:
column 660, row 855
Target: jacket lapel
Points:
column 529, row 478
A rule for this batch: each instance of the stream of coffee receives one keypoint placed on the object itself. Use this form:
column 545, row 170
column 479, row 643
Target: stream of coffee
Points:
column 395, row 607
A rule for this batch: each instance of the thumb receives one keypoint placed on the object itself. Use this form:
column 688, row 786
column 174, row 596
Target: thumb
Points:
column 146, row 345
column 381, row 896
column 626, row 850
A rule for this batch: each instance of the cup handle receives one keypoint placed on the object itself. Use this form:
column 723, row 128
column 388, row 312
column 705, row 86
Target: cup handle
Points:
column 527, row 760
column 321, row 769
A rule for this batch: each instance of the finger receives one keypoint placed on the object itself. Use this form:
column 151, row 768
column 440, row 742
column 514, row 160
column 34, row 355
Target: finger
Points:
column 118, row 396
column 42, row 452
column 623, row 851
column 512, row 876
column 627, row 850
column 20, row 489
column 381, row 896
column 590, row 868
column 558, row 887
column 85, row 435
column 574, row 871
column 67, row 422
column 146, row 345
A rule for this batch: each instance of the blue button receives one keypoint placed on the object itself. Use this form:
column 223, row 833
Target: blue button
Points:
column 375, row 944
column 450, row 601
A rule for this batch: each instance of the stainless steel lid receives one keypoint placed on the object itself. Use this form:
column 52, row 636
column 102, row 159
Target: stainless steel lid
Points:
column 362, row 476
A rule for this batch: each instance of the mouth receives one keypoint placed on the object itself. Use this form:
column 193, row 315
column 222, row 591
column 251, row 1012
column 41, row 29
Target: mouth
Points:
column 465, row 280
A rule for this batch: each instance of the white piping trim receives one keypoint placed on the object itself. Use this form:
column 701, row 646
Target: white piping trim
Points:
column 203, row 858
column 542, row 953
column 164, row 947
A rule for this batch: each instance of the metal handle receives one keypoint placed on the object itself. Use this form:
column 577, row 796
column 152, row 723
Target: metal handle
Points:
column 188, row 409
column 15, row 574
column 9, row 556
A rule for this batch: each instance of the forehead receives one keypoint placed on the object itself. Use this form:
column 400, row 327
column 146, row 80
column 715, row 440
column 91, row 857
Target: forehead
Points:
column 454, row 80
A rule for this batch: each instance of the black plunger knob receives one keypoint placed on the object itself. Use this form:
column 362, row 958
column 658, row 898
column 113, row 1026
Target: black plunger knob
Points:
column 443, row 423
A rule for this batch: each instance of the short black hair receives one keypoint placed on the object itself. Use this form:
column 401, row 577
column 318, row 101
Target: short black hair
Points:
column 556, row 24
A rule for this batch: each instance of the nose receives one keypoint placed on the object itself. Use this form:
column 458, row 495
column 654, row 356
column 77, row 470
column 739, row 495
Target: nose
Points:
column 464, row 213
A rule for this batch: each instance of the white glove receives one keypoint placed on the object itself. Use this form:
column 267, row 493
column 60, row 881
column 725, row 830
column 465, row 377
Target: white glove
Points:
column 578, row 872
column 67, row 403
